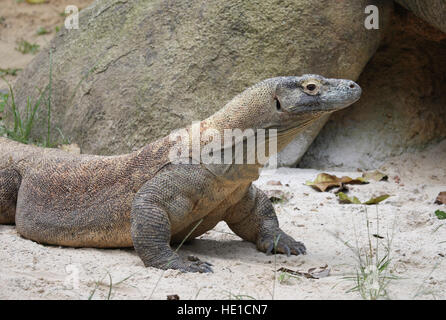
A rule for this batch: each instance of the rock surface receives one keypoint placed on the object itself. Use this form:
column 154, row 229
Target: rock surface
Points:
column 161, row 64
column 431, row 11
column 403, row 104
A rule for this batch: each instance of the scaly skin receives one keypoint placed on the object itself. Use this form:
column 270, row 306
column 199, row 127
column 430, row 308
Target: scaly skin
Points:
column 145, row 200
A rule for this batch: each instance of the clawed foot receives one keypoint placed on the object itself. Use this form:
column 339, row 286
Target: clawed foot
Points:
column 193, row 264
column 198, row 266
column 280, row 243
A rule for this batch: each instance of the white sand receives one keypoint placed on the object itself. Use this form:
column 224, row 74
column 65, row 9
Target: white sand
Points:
column 33, row 271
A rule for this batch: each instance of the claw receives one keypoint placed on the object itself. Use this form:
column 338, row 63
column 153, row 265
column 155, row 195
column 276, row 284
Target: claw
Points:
column 270, row 248
column 284, row 244
column 199, row 266
column 203, row 267
column 288, row 251
column 300, row 249
column 208, row 269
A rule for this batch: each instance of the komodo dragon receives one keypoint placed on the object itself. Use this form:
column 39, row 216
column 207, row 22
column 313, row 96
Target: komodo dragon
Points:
column 146, row 200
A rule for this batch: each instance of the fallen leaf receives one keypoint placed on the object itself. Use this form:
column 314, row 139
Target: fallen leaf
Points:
column 397, row 179
column 375, row 175
column 440, row 214
column 378, row 236
column 320, row 272
column 312, row 273
column 441, row 198
column 343, row 198
column 326, row 181
column 377, row 199
column 173, row 297
column 293, row 272
column 274, row 183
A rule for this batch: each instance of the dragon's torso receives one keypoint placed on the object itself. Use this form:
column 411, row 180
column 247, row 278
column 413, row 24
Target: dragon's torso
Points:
column 88, row 192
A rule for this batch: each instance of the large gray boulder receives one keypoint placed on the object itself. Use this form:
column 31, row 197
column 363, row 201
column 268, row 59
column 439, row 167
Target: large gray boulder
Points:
column 162, row 64
column 403, row 106
column 431, row 11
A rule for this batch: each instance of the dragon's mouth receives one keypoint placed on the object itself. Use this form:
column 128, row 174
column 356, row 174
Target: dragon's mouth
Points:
column 297, row 121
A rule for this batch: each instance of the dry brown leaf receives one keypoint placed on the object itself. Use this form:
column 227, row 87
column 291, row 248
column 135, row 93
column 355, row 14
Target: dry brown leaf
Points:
column 343, row 198
column 377, row 200
column 274, row 183
column 441, row 198
column 325, row 181
column 312, row 273
column 320, row 272
column 375, row 175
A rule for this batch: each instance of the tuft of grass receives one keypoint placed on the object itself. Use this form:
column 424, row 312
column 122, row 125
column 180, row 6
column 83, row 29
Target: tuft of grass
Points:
column 372, row 276
column 285, row 277
column 109, row 285
column 422, row 289
column 4, row 97
column 232, row 296
column 42, row 31
column 276, row 241
column 23, row 124
column 50, row 87
column 25, row 47
column 9, row 71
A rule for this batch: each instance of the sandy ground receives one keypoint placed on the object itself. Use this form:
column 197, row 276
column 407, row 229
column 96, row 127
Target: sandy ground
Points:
column 21, row 20
column 33, row 271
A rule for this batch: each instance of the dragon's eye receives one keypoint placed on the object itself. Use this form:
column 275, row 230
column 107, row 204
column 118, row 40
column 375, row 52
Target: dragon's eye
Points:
column 311, row 87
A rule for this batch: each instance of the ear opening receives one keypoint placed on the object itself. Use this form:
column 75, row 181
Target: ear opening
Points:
column 278, row 105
